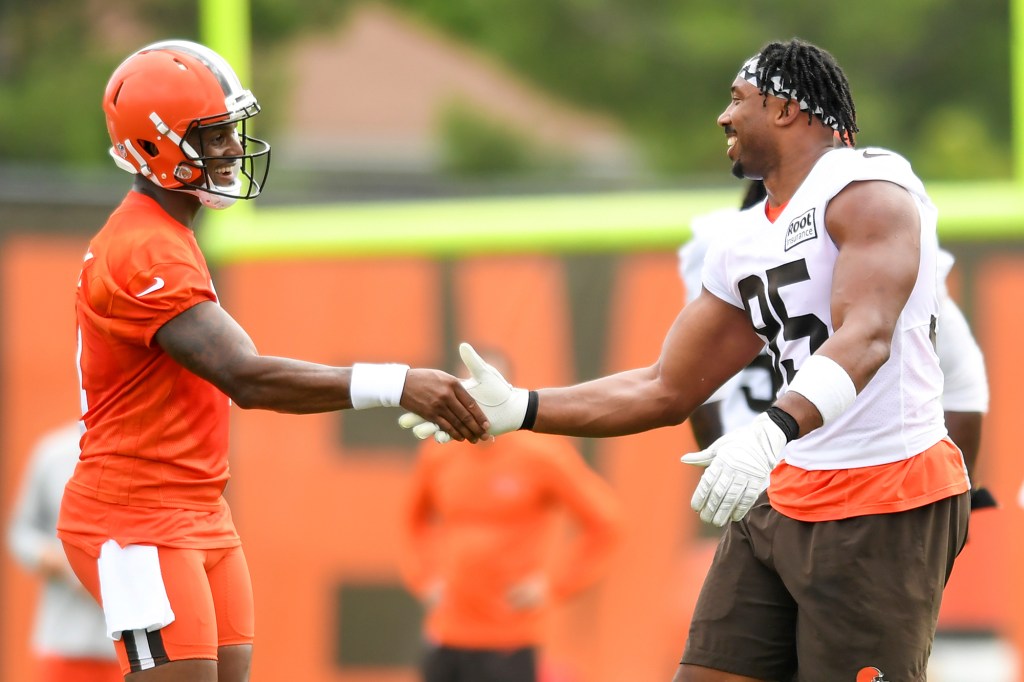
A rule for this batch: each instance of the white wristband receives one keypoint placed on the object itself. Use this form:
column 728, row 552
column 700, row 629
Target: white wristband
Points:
column 376, row 385
column 826, row 384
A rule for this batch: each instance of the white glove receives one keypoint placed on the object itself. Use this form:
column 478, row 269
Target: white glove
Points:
column 738, row 466
column 503, row 404
column 421, row 428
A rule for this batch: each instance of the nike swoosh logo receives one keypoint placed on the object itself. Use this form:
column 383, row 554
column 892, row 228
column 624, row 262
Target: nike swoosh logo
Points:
column 869, row 155
column 158, row 283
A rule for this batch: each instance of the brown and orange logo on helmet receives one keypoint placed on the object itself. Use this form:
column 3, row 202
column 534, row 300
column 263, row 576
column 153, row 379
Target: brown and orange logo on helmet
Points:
column 870, row 674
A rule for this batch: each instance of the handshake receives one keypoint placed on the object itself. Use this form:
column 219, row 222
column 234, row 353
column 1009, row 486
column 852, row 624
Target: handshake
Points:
column 737, row 465
column 504, row 405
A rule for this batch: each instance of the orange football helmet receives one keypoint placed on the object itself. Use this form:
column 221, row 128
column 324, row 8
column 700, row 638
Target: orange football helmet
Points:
column 160, row 95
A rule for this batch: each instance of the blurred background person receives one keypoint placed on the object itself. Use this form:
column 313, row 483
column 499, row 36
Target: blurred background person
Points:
column 753, row 389
column 69, row 637
column 484, row 554
column 965, row 382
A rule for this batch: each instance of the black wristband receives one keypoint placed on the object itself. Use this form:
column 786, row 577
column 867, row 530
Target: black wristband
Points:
column 784, row 420
column 531, row 411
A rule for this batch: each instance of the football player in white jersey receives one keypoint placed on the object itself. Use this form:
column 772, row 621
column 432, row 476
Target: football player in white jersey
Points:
column 965, row 387
column 837, row 569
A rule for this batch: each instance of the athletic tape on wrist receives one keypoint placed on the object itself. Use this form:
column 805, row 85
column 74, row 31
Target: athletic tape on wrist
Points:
column 376, row 385
column 826, row 384
column 531, row 411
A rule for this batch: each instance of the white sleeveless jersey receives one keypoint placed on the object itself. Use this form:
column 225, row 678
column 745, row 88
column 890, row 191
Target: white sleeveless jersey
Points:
column 781, row 273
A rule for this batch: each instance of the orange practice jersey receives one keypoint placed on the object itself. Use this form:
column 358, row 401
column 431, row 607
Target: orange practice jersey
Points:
column 156, row 435
column 482, row 518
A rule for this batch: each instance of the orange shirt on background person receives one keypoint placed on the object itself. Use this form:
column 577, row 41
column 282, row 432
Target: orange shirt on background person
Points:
column 156, row 435
column 482, row 519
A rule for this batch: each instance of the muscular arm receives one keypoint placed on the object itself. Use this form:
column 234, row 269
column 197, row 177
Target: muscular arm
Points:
column 876, row 227
column 211, row 344
column 709, row 342
column 965, row 430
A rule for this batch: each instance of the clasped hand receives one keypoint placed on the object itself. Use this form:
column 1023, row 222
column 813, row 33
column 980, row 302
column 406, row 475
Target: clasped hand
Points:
column 738, row 466
column 503, row 404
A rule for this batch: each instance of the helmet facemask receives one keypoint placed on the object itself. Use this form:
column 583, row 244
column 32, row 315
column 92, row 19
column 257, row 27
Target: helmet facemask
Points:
column 197, row 172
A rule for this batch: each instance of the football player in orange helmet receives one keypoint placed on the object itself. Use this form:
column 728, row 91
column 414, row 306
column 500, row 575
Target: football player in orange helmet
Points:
column 165, row 104
column 143, row 519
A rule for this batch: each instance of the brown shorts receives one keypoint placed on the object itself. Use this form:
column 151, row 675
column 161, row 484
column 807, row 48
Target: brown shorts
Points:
column 841, row 597
column 210, row 593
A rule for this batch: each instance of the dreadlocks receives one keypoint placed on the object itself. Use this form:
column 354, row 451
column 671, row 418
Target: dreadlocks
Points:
column 815, row 75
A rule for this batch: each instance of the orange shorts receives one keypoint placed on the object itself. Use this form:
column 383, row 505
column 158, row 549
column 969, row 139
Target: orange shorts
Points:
column 210, row 593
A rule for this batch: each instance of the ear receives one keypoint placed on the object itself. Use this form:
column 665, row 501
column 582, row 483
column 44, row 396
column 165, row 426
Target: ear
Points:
column 789, row 111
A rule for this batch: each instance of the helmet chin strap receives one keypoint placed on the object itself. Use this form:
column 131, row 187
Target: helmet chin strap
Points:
column 218, row 201
column 224, row 197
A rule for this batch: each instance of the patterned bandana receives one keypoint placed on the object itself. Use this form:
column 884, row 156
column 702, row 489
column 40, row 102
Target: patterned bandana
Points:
column 752, row 73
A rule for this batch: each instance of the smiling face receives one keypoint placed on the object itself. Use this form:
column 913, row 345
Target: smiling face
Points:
column 746, row 123
column 221, row 150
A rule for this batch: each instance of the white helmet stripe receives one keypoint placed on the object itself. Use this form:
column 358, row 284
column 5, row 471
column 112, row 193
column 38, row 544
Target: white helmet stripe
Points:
column 218, row 66
column 165, row 129
column 143, row 166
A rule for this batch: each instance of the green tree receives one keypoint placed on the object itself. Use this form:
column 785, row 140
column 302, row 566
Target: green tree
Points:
column 664, row 66
column 930, row 76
